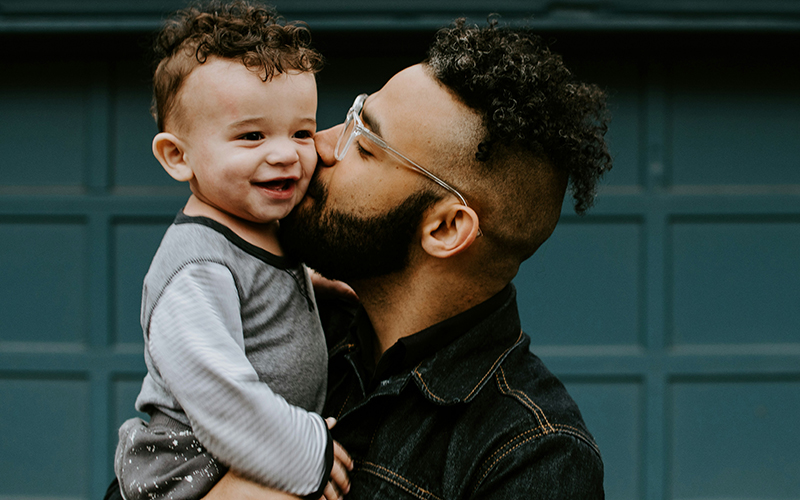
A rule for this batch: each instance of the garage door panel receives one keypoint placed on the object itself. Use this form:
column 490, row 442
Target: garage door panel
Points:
column 736, row 281
column 44, row 284
column 582, row 287
column 735, row 123
column 735, row 439
column 135, row 244
column 44, row 436
column 44, row 133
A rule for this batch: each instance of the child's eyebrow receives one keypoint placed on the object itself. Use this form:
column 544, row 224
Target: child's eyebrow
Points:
column 246, row 122
column 310, row 120
column 259, row 120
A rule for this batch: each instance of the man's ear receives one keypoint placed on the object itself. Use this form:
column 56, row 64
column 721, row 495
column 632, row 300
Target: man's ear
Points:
column 449, row 229
column 169, row 151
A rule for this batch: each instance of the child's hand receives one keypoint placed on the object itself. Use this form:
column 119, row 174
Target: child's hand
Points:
column 339, row 483
column 325, row 288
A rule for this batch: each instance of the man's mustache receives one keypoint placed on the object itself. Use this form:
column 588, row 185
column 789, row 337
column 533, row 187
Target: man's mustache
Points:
column 316, row 189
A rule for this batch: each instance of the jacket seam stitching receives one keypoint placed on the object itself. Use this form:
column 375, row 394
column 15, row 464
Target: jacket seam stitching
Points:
column 480, row 382
column 344, row 405
column 342, row 344
column 537, row 432
column 542, row 429
column 523, row 398
column 427, row 494
column 426, row 386
column 496, row 362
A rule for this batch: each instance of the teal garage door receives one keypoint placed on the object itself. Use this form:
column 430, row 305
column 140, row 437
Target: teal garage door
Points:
column 672, row 311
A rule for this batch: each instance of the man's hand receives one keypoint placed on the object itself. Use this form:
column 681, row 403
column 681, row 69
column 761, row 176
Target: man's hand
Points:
column 235, row 487
column 330, row 289
column 232, row 486
column 339, row 484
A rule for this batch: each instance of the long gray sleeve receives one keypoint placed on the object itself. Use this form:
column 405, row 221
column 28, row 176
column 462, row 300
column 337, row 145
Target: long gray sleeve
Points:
column 197, row 345
column 234, row 348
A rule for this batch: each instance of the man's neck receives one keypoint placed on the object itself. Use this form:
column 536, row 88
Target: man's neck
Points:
column 402, row 305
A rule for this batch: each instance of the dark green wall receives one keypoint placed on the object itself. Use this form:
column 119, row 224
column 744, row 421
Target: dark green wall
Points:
column 672, row 311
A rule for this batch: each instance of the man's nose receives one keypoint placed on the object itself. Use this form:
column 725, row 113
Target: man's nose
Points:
column 325, row 141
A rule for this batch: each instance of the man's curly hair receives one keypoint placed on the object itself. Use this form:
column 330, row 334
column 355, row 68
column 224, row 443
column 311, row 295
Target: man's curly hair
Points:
column 243, row 30
column 528, row 99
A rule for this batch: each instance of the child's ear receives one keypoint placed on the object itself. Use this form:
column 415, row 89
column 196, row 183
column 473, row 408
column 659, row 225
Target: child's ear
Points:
column 169, row 151
column 449, row 229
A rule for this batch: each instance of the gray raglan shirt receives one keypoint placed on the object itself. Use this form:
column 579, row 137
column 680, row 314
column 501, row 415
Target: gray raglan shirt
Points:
column 234, row 348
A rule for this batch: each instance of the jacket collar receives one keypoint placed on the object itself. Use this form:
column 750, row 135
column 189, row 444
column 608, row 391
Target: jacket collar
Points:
column 456, row 372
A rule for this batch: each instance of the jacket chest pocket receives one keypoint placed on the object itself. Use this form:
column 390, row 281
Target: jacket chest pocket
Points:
column 373, row 481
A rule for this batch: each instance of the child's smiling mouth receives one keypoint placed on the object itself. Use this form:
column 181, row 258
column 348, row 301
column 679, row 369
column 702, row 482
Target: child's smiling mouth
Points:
column 281, row 188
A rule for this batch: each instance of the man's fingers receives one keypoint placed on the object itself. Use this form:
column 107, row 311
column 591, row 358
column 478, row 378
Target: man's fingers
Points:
column 339, row 477
column 342, row 463
column 330, row 493
column 233, row 486
column 325, row 288
column 341, row 455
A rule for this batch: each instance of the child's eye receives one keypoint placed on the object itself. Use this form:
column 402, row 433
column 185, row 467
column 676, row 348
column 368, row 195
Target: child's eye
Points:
column 361, row 151
column 252, row 136
column 303, row 134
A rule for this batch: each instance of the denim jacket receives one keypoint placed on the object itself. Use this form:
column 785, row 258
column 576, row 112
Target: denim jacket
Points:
column 480, row 418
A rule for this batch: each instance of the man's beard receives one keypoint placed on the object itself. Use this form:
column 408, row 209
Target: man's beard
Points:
column 347, row 247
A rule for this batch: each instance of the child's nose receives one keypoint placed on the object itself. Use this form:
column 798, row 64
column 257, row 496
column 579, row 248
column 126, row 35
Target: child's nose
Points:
column 282, row 153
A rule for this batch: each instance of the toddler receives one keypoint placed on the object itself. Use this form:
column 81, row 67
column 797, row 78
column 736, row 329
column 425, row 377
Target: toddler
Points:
column 235, row 353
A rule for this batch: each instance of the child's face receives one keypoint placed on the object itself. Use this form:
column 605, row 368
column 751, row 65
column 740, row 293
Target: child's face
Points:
column 249, row 143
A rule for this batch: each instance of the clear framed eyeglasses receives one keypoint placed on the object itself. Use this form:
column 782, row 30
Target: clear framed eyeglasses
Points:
column 353, row 127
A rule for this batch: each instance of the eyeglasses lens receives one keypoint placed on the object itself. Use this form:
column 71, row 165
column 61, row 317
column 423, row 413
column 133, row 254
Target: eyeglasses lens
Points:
column 346, row 137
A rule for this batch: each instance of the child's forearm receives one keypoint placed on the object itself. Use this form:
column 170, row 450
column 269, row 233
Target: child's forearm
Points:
column 196, row 343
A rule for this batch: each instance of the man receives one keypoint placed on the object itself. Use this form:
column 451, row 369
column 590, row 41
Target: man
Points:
column 426, row 201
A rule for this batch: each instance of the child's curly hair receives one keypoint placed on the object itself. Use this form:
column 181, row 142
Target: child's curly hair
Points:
column 527, row 98
column 242, row 29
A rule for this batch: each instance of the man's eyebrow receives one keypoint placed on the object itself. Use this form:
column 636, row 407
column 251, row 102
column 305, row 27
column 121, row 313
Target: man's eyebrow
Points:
column 370, row 122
